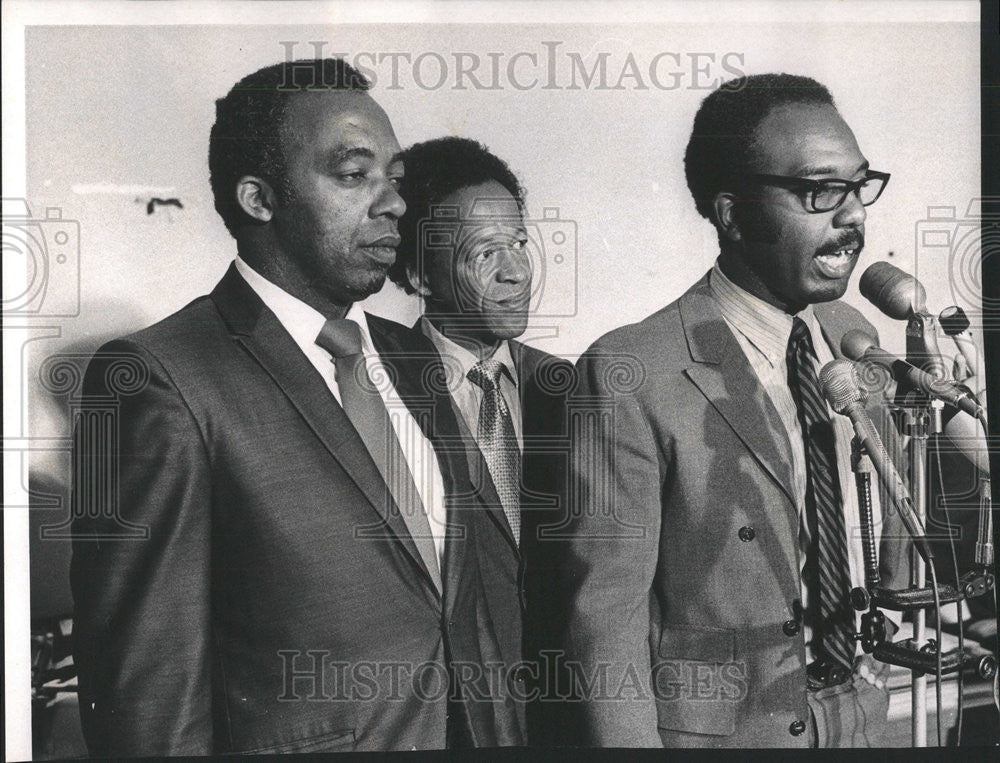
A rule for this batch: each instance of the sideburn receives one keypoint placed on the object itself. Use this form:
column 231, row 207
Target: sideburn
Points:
column 755, row 225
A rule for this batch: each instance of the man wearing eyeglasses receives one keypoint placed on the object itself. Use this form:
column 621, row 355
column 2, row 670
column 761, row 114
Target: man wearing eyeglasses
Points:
column 714, row 535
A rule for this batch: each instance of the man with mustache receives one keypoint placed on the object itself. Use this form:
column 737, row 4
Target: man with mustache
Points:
column 296, row 585
column 465, row 251
column 714, row 538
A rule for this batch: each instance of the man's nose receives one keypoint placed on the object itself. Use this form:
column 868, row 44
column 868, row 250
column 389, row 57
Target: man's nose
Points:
column 388, row 202
column 851, row 213
column 514, row 266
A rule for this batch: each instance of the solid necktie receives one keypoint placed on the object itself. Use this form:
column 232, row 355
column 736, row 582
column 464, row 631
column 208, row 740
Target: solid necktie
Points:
column 497, row 440
column 826, row 556
column 367, row 412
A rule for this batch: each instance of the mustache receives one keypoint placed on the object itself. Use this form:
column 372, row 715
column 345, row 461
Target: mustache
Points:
column 855, row 240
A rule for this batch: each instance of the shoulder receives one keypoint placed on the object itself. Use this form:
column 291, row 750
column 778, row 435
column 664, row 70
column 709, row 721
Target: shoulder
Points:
column 656, row 347
column 657, row 344
column 377, row 323
column 188, row 327
column 624, row 359
column 190, row 344
column 662, row 334
column 532, row 360
column 390, row 336
column 194, row 331
column 543, row 372
column 836, row 318
column 645, row 336
column 197, row 350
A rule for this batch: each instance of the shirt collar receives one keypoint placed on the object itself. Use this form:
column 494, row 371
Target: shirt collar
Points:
column 765, row 326
column 300, row 320
column 465, row 358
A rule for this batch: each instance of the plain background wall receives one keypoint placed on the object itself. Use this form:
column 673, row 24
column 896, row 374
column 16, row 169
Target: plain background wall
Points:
column 111, row 110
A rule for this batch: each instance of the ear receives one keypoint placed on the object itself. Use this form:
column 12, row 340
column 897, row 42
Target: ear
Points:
column 256, row 198
column 418, row 281
column 724, row 216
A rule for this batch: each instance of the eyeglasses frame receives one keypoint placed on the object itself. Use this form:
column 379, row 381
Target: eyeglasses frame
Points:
column 811, row 186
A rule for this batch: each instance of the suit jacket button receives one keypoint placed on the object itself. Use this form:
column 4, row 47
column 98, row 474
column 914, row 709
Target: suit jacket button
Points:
column 747, row 534
column 791, row 627
column 797, row 728
column 522, row 674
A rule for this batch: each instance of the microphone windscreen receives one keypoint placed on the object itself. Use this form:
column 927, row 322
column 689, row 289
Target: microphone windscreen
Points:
column 895, row 293
column 855, row 343
column 841, row 384
column 953, row 320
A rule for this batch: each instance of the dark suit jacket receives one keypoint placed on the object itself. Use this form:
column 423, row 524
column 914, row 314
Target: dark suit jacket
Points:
column 277, row 603
column 667, row 586
column 543, row 382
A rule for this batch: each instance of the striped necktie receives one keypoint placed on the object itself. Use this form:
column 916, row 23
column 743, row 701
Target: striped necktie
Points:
column 826, row 556
column 498, row 442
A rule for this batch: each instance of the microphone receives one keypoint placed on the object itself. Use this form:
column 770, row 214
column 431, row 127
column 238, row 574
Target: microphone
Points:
column 902, row 297
column 857, row 345
column 897, row 294
column 955, row 323
column 842, row 389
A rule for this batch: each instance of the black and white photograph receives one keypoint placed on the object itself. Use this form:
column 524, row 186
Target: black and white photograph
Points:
column 465, row 375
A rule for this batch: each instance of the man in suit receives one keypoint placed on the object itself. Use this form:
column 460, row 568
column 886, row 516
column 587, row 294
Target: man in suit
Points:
column 305, row 579
column 464, row 250
column 713, row 544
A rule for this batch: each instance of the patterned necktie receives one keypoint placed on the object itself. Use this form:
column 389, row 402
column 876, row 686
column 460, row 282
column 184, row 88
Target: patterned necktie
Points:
column 366, row 410
column 826, row 555
column 498, row 442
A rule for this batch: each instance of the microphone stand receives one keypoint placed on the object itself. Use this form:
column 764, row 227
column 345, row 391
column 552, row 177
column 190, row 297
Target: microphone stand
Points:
column 925, row 421
column 923, row 331
column 984, row 541
column 920, row 659
column 921, row 419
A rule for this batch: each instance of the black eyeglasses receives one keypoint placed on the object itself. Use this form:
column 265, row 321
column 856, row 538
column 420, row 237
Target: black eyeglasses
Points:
column 828, row 194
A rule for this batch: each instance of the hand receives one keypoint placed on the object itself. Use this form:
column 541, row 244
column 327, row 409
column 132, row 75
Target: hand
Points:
column 960, row 370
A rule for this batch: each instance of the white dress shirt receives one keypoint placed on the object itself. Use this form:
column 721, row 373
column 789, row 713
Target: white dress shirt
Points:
column 466, row 396
column 304, row 323
column 762, row 331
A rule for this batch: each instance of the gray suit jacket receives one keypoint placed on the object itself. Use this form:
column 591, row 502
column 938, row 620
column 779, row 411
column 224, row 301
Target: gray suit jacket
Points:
column 666, row 587
column 276, row 604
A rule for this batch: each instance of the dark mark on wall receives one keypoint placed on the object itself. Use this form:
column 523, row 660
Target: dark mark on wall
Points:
column 154, row 203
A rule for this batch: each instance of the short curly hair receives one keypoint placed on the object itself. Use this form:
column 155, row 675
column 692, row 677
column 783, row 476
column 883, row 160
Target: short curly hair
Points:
column 434, row 170
column 720, row 148
column 245, row 139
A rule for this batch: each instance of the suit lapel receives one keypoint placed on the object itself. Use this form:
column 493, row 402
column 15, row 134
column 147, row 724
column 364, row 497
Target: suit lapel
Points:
column 519, row 354
column 477, row 469
column 421, row 384
column 836, row 319
column 258, row 330
column 723, row 374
